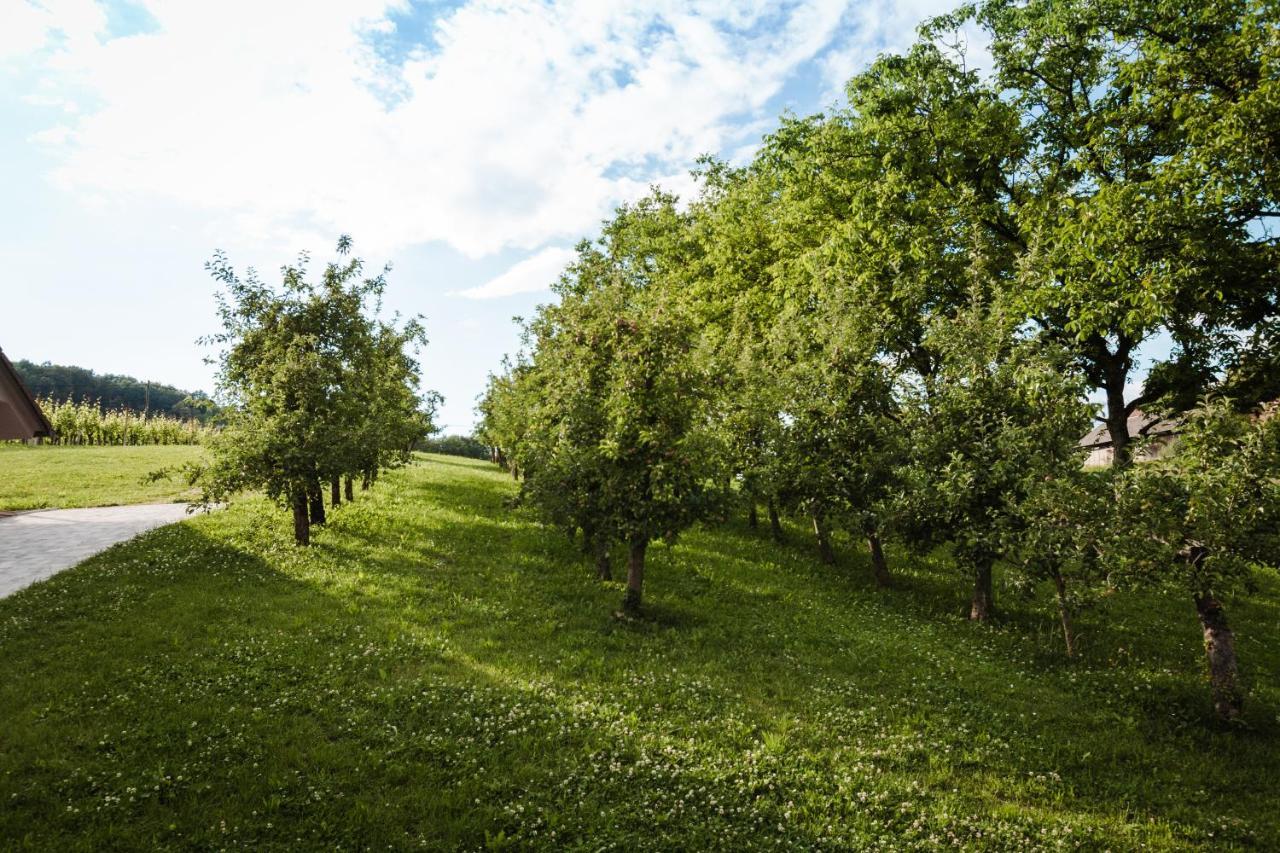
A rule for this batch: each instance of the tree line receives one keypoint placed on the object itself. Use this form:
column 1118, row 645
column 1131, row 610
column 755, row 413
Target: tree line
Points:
column 888, row 322
column 321, row 391
column 466, row 446
column 113, row 392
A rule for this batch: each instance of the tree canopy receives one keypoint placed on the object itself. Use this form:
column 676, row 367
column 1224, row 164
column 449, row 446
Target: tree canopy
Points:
column 320, row 388
column 889, row 321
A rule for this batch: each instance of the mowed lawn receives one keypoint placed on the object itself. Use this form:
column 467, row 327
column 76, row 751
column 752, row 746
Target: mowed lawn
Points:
column 440, row 671
column 49, row 476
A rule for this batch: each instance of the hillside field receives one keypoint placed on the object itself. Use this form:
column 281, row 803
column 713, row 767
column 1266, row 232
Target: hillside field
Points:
column 439, row 670
column 53, row 477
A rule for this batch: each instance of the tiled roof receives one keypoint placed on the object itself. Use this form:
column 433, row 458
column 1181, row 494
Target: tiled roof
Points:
column 1141, row 425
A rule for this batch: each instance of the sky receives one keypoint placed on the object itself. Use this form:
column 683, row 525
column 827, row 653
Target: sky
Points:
column 469, row 144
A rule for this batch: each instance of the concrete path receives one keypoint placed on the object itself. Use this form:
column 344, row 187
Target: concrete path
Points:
column 35, row 545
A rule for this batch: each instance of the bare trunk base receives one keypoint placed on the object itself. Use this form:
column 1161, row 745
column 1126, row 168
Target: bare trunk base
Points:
column 316, row 497
column 604, row 570
column 775, row 523
column 878, row 565
column 1220, row 650
column 335, row 492
column 301, row 521
column 983, row 596
column 753, row 517
column 635, row 576
column 1064, row 614
column 348, row 487
column 825, row 553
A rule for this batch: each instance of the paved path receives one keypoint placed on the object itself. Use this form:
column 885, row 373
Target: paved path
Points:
column 35, row 545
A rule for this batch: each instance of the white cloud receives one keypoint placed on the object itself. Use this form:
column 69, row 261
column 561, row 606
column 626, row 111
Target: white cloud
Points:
column 889, row 26
column 531, row 275
column 524, row 122
column 28, row 26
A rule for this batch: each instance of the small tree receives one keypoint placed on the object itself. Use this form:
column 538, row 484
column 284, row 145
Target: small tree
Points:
column 842, row 447
column 1058, row 535
column 663, row 468
column 619, row 440
column 1200, row 521
column 504, row 415
column 317, row 387
column 563, row 414
column 998, row 416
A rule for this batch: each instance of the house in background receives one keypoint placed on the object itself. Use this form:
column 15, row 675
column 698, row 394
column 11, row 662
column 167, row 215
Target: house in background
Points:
column 1151, row 436
column 20, row 417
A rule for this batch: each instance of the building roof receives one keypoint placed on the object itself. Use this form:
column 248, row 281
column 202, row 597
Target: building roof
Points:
column 1141, row 425
column 20, row 416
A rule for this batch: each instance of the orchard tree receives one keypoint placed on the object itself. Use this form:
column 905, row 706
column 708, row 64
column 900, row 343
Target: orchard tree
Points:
column 912, row 178
column 623, row 414
column 998, row 416
column 1137, row 206
column 391, row 416
column 735, row 296
column 504, row 414
column 1058, row 534
column 317, row 387
column 842, row 443
column 663, row 468
column 562, row 394
column 1202, row 521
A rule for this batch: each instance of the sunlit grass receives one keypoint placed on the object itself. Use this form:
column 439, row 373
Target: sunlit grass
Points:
column 441, row 671
column 60, row 477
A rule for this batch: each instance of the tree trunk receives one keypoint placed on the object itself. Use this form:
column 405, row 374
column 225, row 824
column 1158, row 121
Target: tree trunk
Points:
column 301, row 523
column 1064, row 613
column 878, row 564
column 983, row 595
column 1220, row 649
column 753, row 517
column 335, row 492
column 1118, row 426
column 635, row 575
column 316, row 499
column 775, row 523
column 349, row 489
column 365, row 481
column 825, row 553
column 604, row 571
column 1114, row 369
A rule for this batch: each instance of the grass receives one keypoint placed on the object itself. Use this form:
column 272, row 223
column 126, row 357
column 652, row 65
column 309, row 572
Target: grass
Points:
column 50, row 476
column 439, row 671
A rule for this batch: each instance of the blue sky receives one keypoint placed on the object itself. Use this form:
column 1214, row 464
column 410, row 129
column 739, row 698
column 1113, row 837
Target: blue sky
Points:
column 469, row 144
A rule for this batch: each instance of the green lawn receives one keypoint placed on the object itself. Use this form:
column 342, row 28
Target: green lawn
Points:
column 438, row 671
column 52, row 476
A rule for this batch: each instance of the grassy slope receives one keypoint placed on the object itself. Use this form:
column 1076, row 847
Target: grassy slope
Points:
column 439, row 671
column 51, row 476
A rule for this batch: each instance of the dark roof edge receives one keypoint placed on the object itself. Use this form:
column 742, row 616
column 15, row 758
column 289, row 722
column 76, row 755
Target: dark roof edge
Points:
column 35, row 407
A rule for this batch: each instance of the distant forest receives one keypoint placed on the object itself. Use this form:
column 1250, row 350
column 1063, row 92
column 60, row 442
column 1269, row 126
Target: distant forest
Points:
column 455, row 445
column 62, row 382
